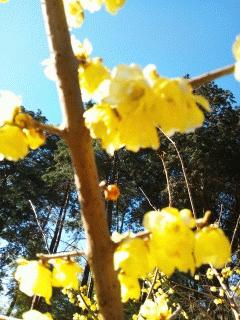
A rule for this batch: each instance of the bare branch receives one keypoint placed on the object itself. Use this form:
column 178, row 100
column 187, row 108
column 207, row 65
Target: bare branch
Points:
column 99, row 244
column 39, row 225
column 184, row 172
column 51, row 129
column 69, row 254
column 2, row 317
column 210, row 76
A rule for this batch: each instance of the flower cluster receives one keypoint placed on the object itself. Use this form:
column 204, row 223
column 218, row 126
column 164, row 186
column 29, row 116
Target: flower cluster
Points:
column 236, row 53
column 75, row 9
column 18, row 131
column 133, row 99
column 173, row 243
column 35, row 278
column 89, row 307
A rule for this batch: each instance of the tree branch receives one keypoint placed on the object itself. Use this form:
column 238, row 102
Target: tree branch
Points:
column 51, row 129
column 2, row 317
column 99, row 244
column 210, row 76
column 70, row 254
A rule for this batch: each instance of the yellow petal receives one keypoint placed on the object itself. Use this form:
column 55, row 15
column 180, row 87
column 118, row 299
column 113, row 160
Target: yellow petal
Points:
column 13, row 143
column 208, row 241
column 65, row 273
column 34, row 279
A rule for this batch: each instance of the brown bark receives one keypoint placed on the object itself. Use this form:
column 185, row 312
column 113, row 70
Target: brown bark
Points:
column 100, row 247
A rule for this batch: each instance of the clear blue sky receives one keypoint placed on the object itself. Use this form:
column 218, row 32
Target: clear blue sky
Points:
column 180, row 37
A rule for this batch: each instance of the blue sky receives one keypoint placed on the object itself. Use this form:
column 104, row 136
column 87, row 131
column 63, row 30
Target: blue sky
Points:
column 180, row 37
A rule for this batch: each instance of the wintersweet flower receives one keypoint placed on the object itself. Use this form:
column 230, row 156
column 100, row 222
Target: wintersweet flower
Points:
column 74, row 13
column 83, row 50
column 155, row 310
column 13, row 143
column 236, row 53
column 140, row 97
column 65, row 273
column 130, row 288
column 113, row 6
column 128, row 258
column 18, row 131
column 34, row 279
column 91, row 75
column 178, row 108
column 207, row 243
column 103, row 123
column 36, row 315
column 171, row 243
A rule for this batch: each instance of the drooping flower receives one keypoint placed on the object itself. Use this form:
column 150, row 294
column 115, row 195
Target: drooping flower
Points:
column 91, row 75
column 155, row 310
column 171, row 243
column 74, row 13
column 34, row 279
column 130, row 288
column 140, row 97
column 65, row 273
column 128, row 258
column 18, row 130
column 207, row 243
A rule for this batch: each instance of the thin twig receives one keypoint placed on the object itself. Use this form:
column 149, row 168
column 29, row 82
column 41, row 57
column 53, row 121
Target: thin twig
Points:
column 70, row 254
column 87, row 306
column 39, row 225
column 161, row 156
column 235, row 230
column 153, row 283
column 175, row 313
column 51, row 129
column 2, row 317
column 184, row 172
column 230, row 299
column 148, row 200
column 210, row 76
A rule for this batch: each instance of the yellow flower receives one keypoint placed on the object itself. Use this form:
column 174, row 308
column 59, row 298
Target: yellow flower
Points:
column 141, row 97
column 129, row 258
column 178, row 110
column 218, row 301
column 13, row 143
column 81, row 50
column 103, row 123
column 155, row 310
column 34, row 279
column 18, row 131
column 91, row 75
column 65, row 273
column 74, row 13
column 130, row 288
column 36, row 315
column 3, row 1
column 207, row 243
column 172, row 241
column 113, row 6
column 236, row 53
